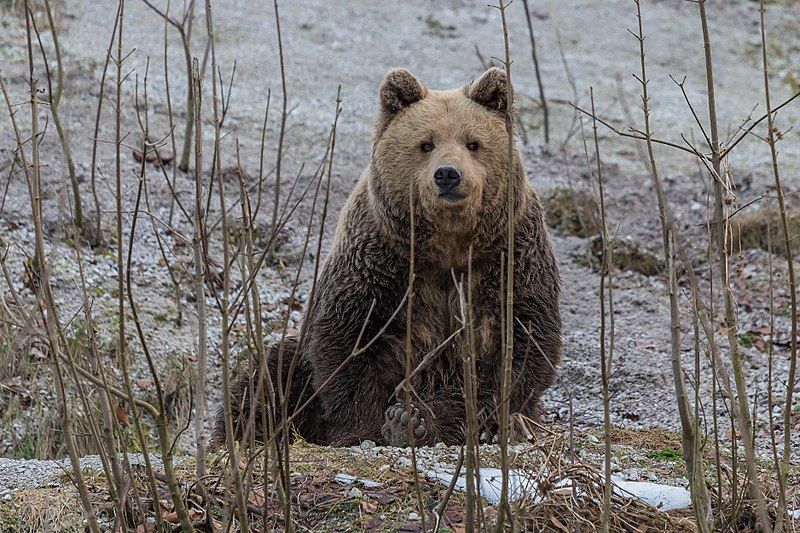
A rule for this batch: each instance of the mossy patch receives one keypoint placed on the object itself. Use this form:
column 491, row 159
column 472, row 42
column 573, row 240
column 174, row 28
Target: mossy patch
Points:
column 625, row 255
column 666, row 453
column 572, row 212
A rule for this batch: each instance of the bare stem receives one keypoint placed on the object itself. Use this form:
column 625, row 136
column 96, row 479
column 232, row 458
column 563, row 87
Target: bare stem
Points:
column 691, row 439
column 741, row 406
column 772, row 140
column 542, row 99
column 508, row 346
column 199, row 277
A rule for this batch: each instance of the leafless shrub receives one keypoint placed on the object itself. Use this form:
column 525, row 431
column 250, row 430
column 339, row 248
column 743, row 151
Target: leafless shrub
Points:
column 116, row 399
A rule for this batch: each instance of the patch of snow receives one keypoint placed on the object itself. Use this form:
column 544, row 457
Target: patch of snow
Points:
column 347, row 479
column 491, row 483
column 521, row 485
column 662, row 497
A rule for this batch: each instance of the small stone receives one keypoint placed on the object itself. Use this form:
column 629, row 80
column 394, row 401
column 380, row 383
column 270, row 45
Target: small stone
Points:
column 593, row 439
column 354, row 493
column 413, row 516
column 367, row 445
column 631, row 474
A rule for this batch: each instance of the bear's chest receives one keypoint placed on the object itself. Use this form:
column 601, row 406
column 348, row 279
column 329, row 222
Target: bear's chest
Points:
column 439, row 331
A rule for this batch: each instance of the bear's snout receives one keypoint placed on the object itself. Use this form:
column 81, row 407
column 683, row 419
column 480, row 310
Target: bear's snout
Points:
column 447, row 179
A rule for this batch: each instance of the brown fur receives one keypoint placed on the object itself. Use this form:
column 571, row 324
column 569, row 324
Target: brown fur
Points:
column 369, row 262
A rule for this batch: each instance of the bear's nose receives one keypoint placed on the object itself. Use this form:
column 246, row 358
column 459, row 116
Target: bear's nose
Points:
column 447, row 178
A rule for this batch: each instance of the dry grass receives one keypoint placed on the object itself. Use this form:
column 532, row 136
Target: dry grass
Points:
column 755, row 229
column 45, row 509
column 648, row 439
column 323, row 503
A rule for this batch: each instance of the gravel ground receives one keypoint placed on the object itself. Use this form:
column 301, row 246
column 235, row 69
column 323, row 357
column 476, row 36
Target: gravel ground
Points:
column 353, row 43
column 31, row 474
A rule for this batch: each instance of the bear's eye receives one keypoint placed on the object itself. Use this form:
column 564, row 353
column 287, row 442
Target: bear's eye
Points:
column 472, row 146
column 426, row 147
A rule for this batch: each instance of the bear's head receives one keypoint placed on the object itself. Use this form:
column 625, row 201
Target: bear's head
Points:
column 450, row 148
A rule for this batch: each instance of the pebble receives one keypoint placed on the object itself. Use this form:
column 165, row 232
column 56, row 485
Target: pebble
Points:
column 631, row 474
column 367, row 445
column 355, row 493
column 413, row 516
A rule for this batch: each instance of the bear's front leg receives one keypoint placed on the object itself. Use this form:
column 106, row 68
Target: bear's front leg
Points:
column 355, row 394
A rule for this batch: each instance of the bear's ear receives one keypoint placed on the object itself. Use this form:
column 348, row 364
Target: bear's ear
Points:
column 490, row 90
column 400, row 89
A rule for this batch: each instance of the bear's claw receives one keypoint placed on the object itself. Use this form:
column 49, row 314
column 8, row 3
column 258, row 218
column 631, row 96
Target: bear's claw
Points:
column 395, row 428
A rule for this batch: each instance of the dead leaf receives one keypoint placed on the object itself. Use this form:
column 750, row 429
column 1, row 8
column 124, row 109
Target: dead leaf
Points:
column 294, row 305
column 122, row 415
column 384, row 498
column 453, row 517
column 368, row 506
column 153, row 157
column 256, row 497
column 558, row 524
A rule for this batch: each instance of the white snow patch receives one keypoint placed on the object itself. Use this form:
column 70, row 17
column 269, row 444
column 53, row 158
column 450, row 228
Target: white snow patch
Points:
column 519, row 483
column 347, row 479
column 522, row 485
column 662, row 497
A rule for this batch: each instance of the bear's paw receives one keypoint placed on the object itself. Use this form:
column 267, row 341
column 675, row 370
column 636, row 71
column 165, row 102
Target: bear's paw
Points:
column 395, row 427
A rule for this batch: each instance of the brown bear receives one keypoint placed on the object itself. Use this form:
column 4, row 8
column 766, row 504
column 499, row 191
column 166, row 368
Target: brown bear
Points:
column 449, row 151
